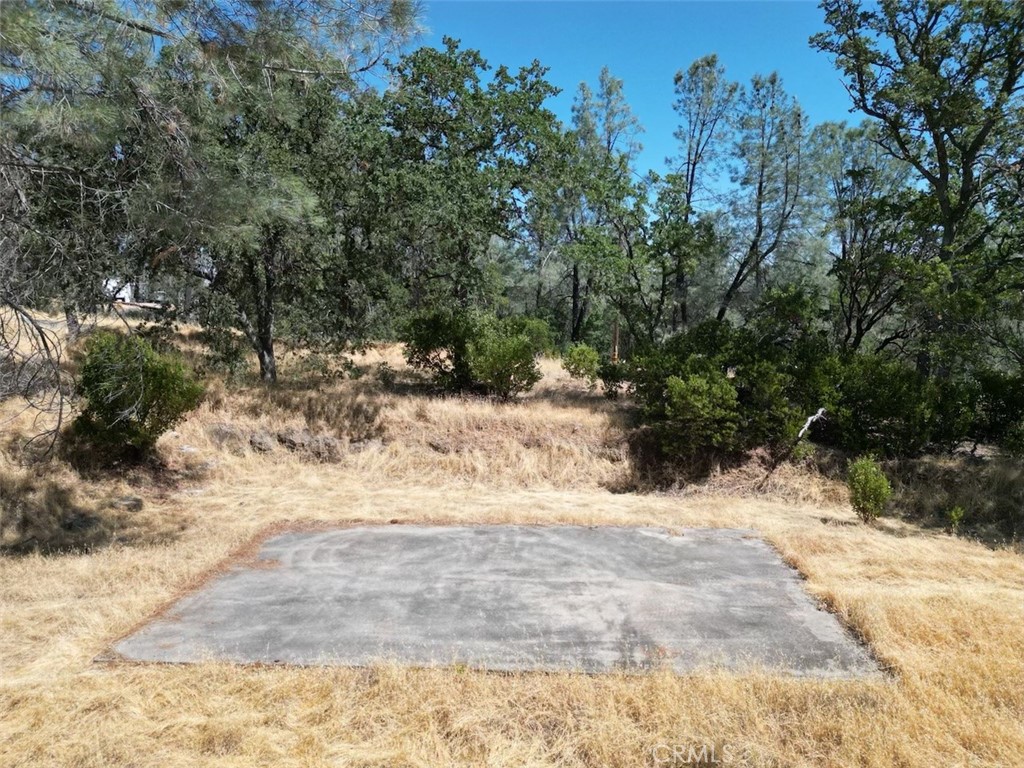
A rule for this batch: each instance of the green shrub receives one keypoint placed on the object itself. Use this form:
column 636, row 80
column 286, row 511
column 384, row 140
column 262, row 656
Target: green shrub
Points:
column 701, row 416
column 536, row 330
column 955, row 516
column 502, row 361
column 612, row 376
column 882, row 406
column 767, row 418
column 1012, row 440
column 437, row 342
column 869, row 487
column 1000, row 410
column 582, row 361
column 466, row 351
column 762, row 407
column 133, row 393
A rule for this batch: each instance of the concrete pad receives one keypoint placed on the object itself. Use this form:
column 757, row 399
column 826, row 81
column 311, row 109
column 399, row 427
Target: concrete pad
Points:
column 508, row 598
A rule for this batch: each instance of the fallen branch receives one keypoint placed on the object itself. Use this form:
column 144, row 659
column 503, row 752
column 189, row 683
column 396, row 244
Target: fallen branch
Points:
column 779, row 458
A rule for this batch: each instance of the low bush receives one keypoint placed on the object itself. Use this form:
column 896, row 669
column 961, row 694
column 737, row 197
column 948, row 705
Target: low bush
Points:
column 613, row 376
column 882, row 406
column 465, row 351
column 701, row 416
column 503, row 362
column 869, row 487
column 533, row 328
column 761, row 405
column 582, row 361
column 767, row 416
column 133, row 394
column 437, row 343
column 955, row 517
column 1000, row 411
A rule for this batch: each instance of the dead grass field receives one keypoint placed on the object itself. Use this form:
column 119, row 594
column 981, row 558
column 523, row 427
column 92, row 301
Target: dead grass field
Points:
column 945, row 616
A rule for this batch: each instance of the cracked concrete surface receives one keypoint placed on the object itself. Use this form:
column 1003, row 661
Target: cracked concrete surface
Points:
column 508, row 597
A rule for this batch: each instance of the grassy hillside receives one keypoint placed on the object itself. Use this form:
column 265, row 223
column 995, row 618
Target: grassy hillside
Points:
column 93, row 553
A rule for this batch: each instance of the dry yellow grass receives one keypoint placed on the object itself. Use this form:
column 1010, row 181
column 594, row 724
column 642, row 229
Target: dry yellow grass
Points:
column 944, row 615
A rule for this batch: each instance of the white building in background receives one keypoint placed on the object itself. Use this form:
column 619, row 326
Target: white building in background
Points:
column 118, row 291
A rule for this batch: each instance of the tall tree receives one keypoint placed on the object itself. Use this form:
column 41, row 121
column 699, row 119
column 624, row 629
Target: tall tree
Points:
column 705, row 103
column 149, row 107
column 875, row 246
column 601, row 192
column 944, row 80
column 462, row 149
column 769, row 172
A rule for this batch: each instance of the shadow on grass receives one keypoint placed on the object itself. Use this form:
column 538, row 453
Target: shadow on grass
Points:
column 348, row 412
column 988, row 492
column 652, row 470
column 41, row 515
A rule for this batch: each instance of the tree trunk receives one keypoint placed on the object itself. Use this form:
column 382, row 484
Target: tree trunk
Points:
column 268, row 363
column 579, row 306
column 74, row 325
column 730, row 293
column 267, row 316
column 261, row 271
column 680, row 312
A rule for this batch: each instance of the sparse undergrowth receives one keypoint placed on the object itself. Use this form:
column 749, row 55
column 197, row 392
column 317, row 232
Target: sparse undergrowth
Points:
column 943, row 614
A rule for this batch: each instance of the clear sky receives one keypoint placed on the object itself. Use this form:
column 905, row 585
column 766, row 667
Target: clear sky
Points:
column 645, row 44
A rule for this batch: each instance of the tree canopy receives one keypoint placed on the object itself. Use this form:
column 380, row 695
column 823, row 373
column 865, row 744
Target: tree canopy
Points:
column 299, row 170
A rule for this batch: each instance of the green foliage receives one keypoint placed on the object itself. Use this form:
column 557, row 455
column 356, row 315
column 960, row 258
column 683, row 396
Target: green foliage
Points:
column 955, row 517
column 701, row 416
column 1012, row 442
column 297, row 202
column 581, row 361
column 764, row 409
column 613, row 376
column 1000, row 407
column 882, row 406
column 533, row 328
column 869, row 487
column 769, row 418
column 437, row 342
column 874, row 403
column 226, row 349
column 503, row 361
column 133, row 393
column 466, row 351
column 954, row 411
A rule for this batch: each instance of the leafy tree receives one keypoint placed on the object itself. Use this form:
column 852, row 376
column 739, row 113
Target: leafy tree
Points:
column 167, row 130
column 874, row 243
column 461, row 153
column 769, row 151
column 944, row 81
column 943, row 78
column 705, row 102
column 603, row 207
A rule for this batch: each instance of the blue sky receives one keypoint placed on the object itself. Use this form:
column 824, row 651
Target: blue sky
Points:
column 644, row 44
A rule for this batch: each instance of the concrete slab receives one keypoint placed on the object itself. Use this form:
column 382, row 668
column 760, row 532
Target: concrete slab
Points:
column 508, row 598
